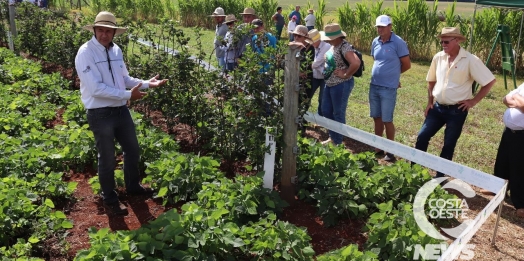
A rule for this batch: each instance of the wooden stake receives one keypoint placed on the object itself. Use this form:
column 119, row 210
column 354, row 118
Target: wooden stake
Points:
column 291, row 93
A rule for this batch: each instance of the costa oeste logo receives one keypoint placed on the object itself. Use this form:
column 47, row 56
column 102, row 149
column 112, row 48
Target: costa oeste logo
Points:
column 442, row 208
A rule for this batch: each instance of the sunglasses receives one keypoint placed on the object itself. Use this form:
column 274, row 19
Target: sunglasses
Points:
column 447, row 42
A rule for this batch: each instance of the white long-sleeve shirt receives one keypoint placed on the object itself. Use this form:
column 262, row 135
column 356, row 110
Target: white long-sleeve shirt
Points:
column 320, row 60
column 310, row 20
column 99, row 86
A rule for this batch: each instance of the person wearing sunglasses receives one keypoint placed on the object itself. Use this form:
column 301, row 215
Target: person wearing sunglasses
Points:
column 450, row 79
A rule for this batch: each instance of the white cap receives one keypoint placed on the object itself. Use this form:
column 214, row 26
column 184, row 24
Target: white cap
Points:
column 383, row 20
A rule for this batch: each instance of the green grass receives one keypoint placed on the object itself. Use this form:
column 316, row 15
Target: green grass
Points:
column 476, row 147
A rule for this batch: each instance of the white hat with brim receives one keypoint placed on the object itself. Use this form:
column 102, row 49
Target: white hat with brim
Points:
column 332, row 32
column 219, row 12
column 105, row 19
column 452, row 32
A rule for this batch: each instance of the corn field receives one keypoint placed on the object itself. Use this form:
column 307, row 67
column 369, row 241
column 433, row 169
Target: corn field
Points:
column 415, row 21
column 419, row 24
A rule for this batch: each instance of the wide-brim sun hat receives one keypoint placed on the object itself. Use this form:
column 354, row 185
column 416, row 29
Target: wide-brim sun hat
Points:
column 332, row 32
column 219, row 12
column 301, row 30
column 230, row 18
column 310, row 11
column 452, row 32
column 105, row 19
column 248, row 11
column 314, row 36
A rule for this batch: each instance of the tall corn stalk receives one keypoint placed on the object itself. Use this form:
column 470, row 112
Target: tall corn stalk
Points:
column 418, row 25
column 264, row 10
column 319, row 14
column 196, row 12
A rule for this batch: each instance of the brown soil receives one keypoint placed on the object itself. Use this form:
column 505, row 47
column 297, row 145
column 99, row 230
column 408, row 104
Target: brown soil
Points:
column 86, row 211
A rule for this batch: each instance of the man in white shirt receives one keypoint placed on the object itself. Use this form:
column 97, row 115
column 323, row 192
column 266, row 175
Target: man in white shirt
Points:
column 508, row 164
column 310, row 20
column 103, row 82
column 318, row 65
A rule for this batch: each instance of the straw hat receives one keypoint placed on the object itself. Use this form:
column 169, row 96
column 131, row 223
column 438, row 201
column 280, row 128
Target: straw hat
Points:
column 105, row 19
column 219, row 11
column 230, row 18
column 314, row 35
column 332, row 32
column 248, row 11
column 452, row 32
column 310, row 11
column 301, row 30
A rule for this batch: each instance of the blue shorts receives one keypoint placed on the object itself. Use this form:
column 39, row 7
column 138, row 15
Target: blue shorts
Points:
column 382, row 101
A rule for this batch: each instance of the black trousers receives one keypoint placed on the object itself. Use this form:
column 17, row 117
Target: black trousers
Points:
column 510, row 164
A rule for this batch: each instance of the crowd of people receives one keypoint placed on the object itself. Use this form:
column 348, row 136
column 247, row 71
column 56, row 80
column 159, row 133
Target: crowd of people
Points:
column 332, row 63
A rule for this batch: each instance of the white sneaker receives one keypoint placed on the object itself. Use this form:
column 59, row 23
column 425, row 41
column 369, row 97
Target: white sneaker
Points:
column 326, row 141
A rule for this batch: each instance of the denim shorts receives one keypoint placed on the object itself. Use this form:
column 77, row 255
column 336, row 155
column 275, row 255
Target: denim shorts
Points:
column 382, row 101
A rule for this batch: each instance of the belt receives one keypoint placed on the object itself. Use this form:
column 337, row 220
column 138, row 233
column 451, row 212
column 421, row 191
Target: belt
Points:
column 107, row 108
column 515, row 131
column 447, row 105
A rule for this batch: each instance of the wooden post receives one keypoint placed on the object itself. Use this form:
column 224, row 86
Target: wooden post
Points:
column 291, row 93
column 12, row 34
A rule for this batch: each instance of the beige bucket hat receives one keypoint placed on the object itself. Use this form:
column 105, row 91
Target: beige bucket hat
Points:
column 230, row 18
column 452, row 32
column 219, row 11
column 332, row 32
column 301, row 30
column 248, row 11
column 105, row 19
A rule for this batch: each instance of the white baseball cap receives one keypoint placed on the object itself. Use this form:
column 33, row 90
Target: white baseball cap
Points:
column 383, row 20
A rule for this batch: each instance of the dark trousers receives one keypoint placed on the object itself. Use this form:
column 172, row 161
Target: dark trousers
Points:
column 108, row 124
column 309, row 28
column 279, row 31
column 437, row 117
column 509, row 164
column 318, row 84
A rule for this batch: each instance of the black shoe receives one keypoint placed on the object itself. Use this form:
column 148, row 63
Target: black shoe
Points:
column 116, row 208
column 379, row 153
column 141, row 192
column 390, row 157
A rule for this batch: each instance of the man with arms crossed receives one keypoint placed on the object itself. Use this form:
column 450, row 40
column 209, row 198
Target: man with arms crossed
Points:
column 391, row 57
column 450, row 78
